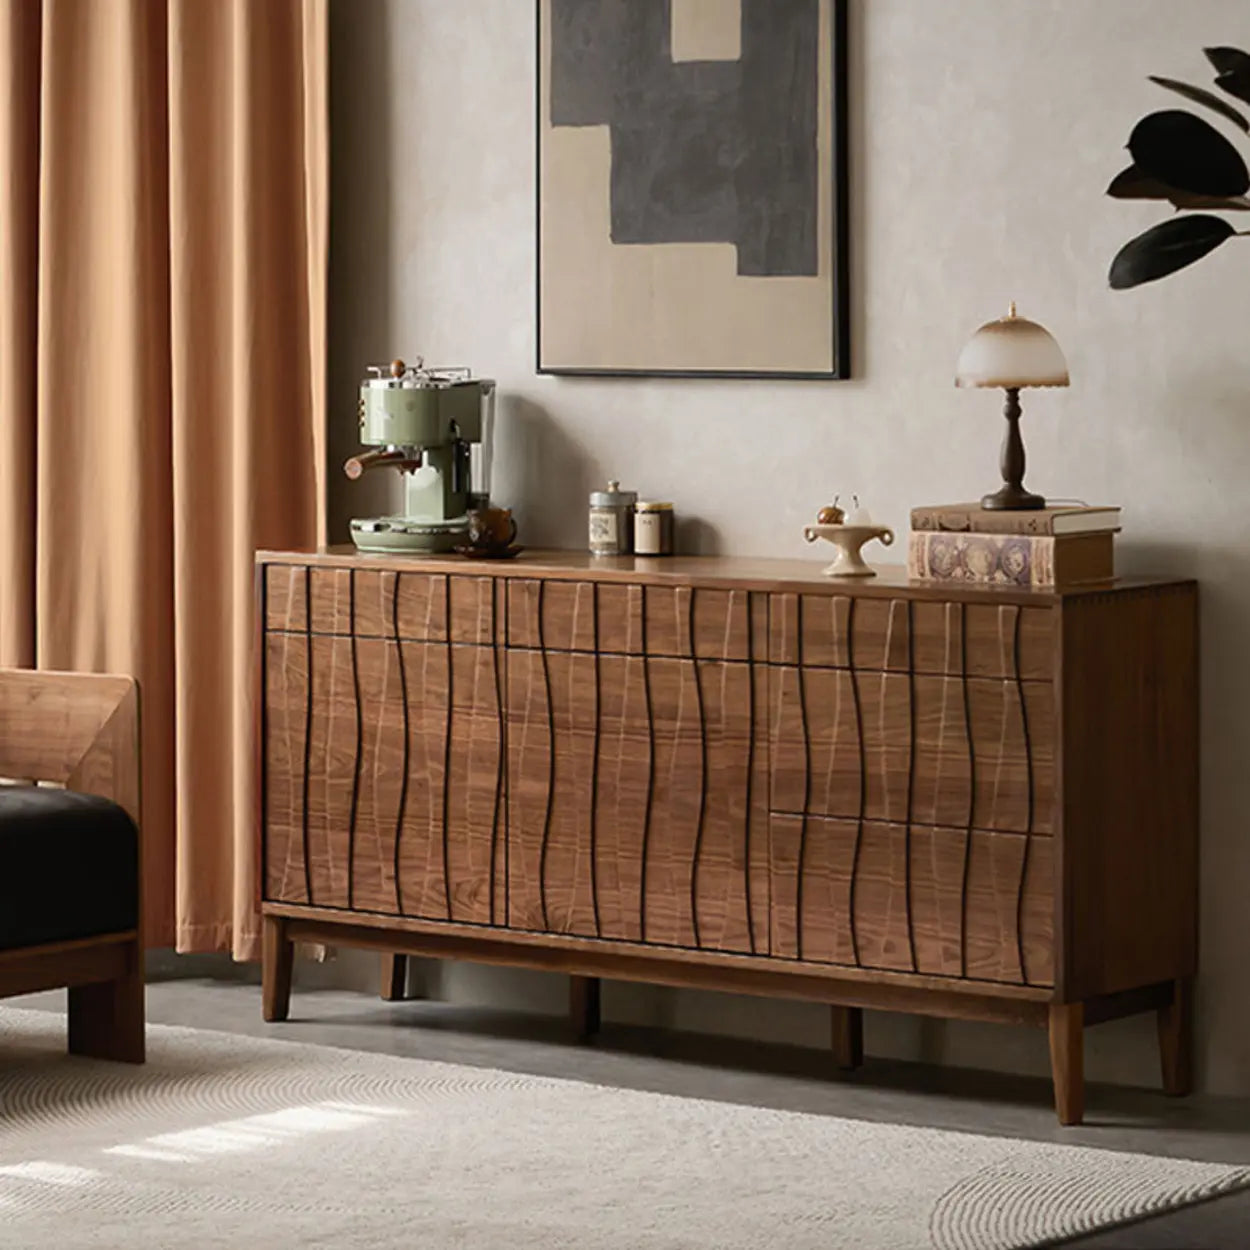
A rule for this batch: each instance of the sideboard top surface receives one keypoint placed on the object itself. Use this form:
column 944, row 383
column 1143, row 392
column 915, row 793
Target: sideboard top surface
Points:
column 749, row 572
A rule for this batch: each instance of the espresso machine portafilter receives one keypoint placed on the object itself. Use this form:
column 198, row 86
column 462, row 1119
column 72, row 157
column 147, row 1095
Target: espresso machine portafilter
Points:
column 436, row 426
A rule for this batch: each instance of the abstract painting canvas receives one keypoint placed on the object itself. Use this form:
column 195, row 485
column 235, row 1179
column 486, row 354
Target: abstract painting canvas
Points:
column 692, row 198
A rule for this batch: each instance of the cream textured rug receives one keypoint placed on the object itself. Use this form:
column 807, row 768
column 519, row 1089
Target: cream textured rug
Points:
column 222, row 1141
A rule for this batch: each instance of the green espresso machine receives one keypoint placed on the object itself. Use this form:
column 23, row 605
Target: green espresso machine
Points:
column 435, row 426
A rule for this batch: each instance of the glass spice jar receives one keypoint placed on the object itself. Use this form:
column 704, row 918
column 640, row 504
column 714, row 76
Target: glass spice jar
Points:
column 653, row 528
column 612, row 520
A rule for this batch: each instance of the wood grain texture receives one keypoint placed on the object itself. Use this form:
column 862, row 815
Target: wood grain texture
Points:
column 84, row 961
column 277, row 954
column 285, row 601
column 779, row 576
column 1176, row 1039
column 991, row 920
column 1067, row 1061
column 384, row 776
column 667, row 965
column 393, row 977
column 634, row 782
column 1130, row 735
column 944, row 638
column 736, row 774
column 846, row 1035
column 953, row 751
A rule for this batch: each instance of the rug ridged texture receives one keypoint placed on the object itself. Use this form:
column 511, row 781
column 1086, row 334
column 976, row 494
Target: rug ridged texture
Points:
column 223, row 1141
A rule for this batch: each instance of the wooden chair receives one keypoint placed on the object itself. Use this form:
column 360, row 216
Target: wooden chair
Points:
column 81, row 732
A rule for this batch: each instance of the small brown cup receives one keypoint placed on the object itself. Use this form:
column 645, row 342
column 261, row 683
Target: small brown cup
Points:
column 491, row 529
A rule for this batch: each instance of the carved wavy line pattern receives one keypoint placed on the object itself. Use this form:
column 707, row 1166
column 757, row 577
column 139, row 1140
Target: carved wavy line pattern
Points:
column 551, row 763
column 911, row 778
column 1028, row 828
column 972, row 787
column 354, row 805
column 702, row 817
column 807, row 785
column 650, row 798
column 308, row 719
column 494, row 823
column 863, row 777
column 750, row 780
column 407, row 748
column 447, row 744
column 594, row 768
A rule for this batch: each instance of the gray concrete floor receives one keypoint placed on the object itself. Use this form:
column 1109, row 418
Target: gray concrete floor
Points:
column 785, row 1078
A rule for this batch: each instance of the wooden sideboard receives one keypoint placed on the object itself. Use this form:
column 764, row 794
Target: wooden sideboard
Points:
column 954, row 800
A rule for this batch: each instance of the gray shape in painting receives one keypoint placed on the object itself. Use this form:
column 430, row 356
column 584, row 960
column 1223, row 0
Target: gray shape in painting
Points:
column 702, row 151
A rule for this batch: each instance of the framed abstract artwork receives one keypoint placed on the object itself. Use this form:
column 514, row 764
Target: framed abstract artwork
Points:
column 692, row 188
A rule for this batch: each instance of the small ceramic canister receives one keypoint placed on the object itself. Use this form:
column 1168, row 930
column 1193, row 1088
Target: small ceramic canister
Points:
column 612, row 520
column 653, row 528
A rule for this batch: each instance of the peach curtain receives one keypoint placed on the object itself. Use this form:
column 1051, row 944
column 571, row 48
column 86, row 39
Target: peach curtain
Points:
column 163, row 235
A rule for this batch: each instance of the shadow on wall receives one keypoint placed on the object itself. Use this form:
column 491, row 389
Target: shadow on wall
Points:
column 549, row 475
column 360, row 323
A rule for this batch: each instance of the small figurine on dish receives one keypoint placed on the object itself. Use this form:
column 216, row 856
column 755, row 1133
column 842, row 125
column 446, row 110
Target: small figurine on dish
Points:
column 847, row 538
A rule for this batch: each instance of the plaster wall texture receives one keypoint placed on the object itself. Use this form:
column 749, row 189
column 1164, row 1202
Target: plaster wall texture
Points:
column 983, row 133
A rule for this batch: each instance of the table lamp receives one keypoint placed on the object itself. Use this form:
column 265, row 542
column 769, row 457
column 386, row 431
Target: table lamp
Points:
column 1012, row 352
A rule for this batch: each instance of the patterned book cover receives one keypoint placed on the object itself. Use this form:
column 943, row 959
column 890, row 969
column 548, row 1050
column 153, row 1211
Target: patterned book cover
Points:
column 1010, row 559
column 973, row 519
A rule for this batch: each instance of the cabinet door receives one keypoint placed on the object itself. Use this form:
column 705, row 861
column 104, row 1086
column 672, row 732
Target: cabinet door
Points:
column 384, row 776
column 632, row 783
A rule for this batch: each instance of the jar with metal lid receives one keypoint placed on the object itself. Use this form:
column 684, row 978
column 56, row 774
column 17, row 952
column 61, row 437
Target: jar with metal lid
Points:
column 612, row 520
column 653, row 528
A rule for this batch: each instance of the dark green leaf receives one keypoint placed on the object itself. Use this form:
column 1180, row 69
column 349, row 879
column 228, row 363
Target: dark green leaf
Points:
column 1235, row 84
column 1165, row 248
column 1132, row 184
column 1228, row 60
column 1183, row 151
column 1233, row 69
column 1201, row 95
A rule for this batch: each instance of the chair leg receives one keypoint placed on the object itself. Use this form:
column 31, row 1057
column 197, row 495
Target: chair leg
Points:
column 1176, row 1039
column 277, row 959
column 1067, row 1060
column 106, row 1019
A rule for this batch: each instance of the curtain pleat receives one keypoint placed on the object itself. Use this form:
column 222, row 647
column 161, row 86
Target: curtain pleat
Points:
column 171, row 418
column 20, row 33
column 247, row 209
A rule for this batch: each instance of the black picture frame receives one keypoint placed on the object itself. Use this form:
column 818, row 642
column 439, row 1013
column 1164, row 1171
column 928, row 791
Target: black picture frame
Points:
column 840, row 369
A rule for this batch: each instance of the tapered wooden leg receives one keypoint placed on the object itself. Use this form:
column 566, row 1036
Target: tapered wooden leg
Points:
column 277, row 957
column 584, row 1006
column 394, row 977
column 848, row 1036
column 1067, row 1060
column 106, row 1020
column 1176, row 1039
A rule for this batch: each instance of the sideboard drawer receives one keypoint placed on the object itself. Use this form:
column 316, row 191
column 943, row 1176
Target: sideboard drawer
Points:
column 912, row 635
column 960, row 752
column 370, row 603
column 615, row 619
column 944, row 902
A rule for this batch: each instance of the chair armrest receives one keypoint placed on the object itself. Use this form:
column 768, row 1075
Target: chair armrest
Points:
column 79, row 730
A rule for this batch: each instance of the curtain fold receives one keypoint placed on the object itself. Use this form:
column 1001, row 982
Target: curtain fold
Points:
column 178, row 407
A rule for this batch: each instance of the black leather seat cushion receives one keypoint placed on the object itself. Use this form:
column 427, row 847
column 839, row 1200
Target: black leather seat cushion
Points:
column 69, row 867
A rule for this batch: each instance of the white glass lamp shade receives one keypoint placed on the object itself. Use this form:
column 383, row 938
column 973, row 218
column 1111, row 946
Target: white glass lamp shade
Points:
column 1011, row 352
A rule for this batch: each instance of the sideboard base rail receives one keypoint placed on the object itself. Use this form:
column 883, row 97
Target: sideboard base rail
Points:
column 847, row 991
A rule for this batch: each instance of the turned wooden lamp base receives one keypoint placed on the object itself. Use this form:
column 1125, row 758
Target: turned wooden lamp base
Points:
column 1011, row 495
column 1010, row 498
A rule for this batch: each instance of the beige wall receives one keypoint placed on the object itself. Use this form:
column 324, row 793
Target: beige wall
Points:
column 983, row 134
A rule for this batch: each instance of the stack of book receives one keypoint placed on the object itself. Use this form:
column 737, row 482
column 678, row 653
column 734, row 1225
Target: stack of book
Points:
column 1058, row 546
